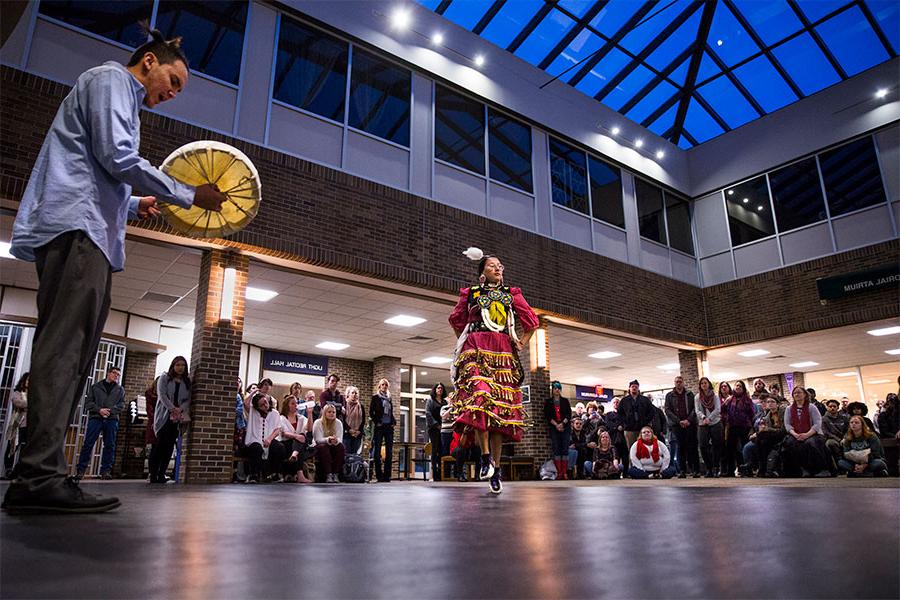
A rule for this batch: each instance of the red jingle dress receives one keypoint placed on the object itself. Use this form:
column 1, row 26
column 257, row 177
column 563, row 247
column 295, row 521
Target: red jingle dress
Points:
column 486, row 371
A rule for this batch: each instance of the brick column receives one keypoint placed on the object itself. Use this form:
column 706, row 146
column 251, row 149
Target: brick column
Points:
column 215, row 361
column 799, row 380
column 690, row 368
column 139, row 372
column 536, row 441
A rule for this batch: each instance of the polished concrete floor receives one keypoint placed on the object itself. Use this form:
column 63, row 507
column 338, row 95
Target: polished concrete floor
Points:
column 678, row 539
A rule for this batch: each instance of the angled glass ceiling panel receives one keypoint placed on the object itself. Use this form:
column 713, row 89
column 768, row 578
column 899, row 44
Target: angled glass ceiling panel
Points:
column 773, row 21
column 611, row 64
column 654, row 98
column 708, row 68
column 584, row 44
column 665, row 121
column 816, row 9
column 577, row 7
column 852, row 41
column 429, row 4
column 510, row 20
column 887, row 13
column 676, row 43
column 768, row 88
column 729, row 40
column 626, row 90
column 679, row 75
column 700, row 123
column 651, row 25
column 611, row 18
column 467, row 13
column 806, row 64
column 544, row 37
column 728, row 102
column 684, row 144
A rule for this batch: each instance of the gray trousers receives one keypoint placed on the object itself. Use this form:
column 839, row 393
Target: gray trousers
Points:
column 73, row 302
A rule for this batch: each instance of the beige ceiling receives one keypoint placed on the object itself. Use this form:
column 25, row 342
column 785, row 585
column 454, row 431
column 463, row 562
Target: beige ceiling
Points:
column 310, row 309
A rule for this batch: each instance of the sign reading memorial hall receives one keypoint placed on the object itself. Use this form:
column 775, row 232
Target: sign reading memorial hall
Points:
column 304, row 364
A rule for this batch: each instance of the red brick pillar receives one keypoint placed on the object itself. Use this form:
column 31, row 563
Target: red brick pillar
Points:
column 215, row 360
column 138, row 374
column 690, row 361
column 536, row 441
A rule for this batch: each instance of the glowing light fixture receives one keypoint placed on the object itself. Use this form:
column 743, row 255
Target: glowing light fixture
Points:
column 604, row 354
column 405, row 321
column 660, row 154
column 804, row 364
column 400, row 19
column 259, row 294
column 638, row 143
column 752, row 353
column 332, row 346
column 615, row 131
column 538, row 349
column 894, row 352
column 437, row 360
column 228, row 279
column 845, row 374
column 479, row 60
column 884, row 331
column 881, row 93
column 437, row 39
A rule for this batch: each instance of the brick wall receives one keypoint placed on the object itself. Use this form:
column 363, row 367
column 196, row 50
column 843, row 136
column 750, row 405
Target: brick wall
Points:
column 352, row 372
column 536, row 441
column 140, row 370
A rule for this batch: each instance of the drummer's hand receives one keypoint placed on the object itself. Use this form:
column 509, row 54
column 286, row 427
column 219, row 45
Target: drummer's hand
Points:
column 209, row 197
column 147, row 207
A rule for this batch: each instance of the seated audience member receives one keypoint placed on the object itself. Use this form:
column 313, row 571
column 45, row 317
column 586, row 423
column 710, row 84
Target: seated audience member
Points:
column 265, row 387
column 606, row 463
column 464, row 450
column 328, row 432
column 769, row 438
column 859, row 408
column 804, row 447
column 750, row 450
column 354, row 420
column 579, row 410
column 775, row 391
column 650, row 457
column 578, row 450
column 813, row 401
column 295, row 440
column 264, row 451
column 834, row 428
column 863, row 455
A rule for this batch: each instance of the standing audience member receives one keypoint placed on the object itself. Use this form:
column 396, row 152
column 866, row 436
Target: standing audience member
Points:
column 172, row 413
column 264, row 451
column 606, row 464
column 448, row 420
column 775, row 391
column 635, row 411
column 650, row 457
column 681, row 416
column 708, row 407
column 558, row 413
column 889, row 431
column 331, row 395
column 738, row 412
column 815, row 402
column 328, row 431
column 104, row 404
column 616, row 428
column 804, row 448
column 16, row 421
column 240, row 429
column 834, row 428
column 354, row 421
column 863, row 455
column 436, row 402
column 295, row 440
column 381, row 411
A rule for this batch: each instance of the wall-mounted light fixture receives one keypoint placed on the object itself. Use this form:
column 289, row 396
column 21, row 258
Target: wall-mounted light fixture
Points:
column 228, row 281
column 538, row 349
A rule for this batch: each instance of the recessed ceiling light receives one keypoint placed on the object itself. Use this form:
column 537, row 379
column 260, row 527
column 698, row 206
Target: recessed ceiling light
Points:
column 423, row 372
column 669, row 366
column 804, row 364
column 884, row 331
column 638, row 143
column 881, row 93
column 660, row 154
column 332, row 346
column 437, row 39
column 893, row 352
column 437, row 360
column 604, row 354
column 745, row 200
column 731, row 192
column 259, row 294
column 479, row 60
column 4, row 250
column 877, row 381
column 400, row 19
column 404, row 370
column 719, row 42
column 752, row 353
column 845, row 374
column 759, row 207
column 615, row 131
column 405, row 321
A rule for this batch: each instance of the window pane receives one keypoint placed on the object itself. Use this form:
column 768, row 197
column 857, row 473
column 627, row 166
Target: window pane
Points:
column 852, row 178
column 311, row 71
column 749, row 215
column 212, row 34
column 568, row 177
column 797, row 195
column 606, row 192
column 459, row 130
column 510, row 151
column 116, row 21
column 678, row 216
column 650, row 211
column 379, row 97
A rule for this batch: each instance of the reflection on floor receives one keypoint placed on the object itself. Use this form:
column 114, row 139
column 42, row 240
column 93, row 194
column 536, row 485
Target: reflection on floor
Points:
column 693, row 538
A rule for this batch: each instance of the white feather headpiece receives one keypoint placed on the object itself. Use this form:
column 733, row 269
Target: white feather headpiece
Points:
column 473, row 253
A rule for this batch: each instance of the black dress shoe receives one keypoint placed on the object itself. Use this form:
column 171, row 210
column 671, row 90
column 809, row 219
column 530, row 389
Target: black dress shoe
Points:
column 65, row 497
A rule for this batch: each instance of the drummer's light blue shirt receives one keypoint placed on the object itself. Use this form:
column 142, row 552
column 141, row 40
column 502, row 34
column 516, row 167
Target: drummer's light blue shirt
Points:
column 89, row 162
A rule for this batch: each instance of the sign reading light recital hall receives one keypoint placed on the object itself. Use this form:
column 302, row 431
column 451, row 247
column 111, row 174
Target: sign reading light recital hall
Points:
column 597, row 393
column 304, row 364
column 840, row 286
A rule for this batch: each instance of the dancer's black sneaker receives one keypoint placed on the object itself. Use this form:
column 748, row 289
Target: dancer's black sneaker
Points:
column 487, row 467
column 496, row 484
column 66, row 497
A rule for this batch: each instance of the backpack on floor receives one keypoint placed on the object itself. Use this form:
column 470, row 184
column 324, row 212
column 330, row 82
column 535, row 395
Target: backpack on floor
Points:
column 356, row 469
column 548, row 471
